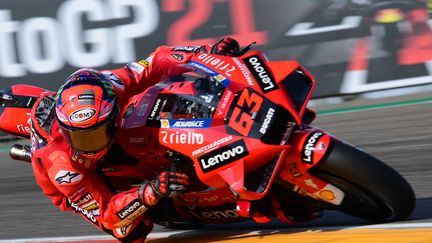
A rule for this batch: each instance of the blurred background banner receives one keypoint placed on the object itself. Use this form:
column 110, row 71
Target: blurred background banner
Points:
column 350, row 47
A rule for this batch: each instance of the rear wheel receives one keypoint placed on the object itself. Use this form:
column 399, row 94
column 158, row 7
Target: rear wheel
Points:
column 373, row 190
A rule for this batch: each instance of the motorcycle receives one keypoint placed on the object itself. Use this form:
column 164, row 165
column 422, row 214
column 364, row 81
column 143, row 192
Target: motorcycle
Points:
column 241, row 129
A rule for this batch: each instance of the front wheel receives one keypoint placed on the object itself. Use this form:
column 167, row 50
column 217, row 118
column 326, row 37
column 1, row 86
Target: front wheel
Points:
column 373, row 190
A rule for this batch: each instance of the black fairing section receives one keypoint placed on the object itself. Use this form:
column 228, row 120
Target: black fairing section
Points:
column 298, row 85
column 281, row 127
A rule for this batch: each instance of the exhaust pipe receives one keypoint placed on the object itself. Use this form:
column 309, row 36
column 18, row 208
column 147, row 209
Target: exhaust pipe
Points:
column 20, row 152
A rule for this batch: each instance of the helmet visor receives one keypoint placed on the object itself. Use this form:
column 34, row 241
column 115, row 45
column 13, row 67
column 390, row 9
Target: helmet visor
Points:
column 93, row 140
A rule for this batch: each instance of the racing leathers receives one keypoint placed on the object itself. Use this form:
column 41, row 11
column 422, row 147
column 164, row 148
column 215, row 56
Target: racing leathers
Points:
column 74, row 182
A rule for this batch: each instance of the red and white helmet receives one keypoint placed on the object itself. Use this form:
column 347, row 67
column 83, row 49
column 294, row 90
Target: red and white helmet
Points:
column 87, row 111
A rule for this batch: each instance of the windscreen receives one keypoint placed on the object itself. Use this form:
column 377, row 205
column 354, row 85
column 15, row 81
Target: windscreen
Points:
column 193, row 99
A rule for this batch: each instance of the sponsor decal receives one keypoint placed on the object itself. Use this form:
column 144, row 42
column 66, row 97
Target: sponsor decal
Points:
column 261, row 73
column 78, row 157
column 287, row 134
column 178, row 57
column 267, row 120
column 157, row 107
column 145, row 63
column 84, row 212
column 92, row 207
column 219, row 78
column 88, row 203
column 222, row 214
column 207, row 199
column 123, row 230
column 78, row 192
column 131, row 211
column 218, row 64
column 309, row 147
column 321, row 146
column 212, row 146
column 186, row 123
column 327, row 195
column 149, row 59
column 66, row 177
column 293, row 169
column 108, row 169
column 86, row 97
column 203, row 68
column 245, row 72
column 136, row 140
column 23, row 128
column 331, row 194
column 223, row 156
column 138, row 68
column 186, row 48
column 84, row 199
column 311, row 183
column 165, row 123
column 82, row 115
column 223, row 104
column 182, row 137
column 207, row 71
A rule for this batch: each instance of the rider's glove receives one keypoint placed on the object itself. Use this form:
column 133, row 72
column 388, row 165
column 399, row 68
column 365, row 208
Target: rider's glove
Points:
column 226, row 46
column 167, row 184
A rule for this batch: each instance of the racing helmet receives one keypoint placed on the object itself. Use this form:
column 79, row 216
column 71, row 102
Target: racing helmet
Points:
column 87, row 111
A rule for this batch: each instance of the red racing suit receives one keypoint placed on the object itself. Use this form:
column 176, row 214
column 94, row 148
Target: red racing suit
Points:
column 74, row 183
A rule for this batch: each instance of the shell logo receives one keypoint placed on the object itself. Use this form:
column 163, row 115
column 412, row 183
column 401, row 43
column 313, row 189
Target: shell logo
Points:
column 164, row 123
column 82, row 115
column 219, row 78
column 327, row 195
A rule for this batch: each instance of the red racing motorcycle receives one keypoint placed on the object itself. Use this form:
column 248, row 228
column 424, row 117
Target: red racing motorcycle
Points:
column 239, row 127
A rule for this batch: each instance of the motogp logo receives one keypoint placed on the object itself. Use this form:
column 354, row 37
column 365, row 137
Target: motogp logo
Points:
column 82, row 115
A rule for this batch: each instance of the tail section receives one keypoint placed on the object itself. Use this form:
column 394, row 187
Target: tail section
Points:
column 16, row 103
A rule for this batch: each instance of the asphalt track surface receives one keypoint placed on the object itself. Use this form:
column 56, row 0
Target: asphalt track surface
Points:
column 400, row 135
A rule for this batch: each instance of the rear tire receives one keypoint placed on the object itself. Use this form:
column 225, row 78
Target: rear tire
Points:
column 373, row 190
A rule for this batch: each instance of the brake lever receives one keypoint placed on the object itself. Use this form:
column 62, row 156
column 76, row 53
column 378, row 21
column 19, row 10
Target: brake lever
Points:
column 6, row 99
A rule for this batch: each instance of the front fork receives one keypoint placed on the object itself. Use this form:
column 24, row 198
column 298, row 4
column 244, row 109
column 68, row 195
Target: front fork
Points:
column 309, row 147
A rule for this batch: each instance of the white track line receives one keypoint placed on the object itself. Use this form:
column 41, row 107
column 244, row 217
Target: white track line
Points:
column 159, row 235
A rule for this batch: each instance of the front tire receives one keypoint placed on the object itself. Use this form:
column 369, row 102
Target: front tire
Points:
column 373, row 190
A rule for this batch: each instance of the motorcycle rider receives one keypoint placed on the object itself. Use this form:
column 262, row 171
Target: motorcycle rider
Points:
column 75, row 128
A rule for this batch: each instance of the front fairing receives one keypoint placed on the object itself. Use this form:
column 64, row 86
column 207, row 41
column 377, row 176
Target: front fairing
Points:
column 192, row 114
column 230, row 126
